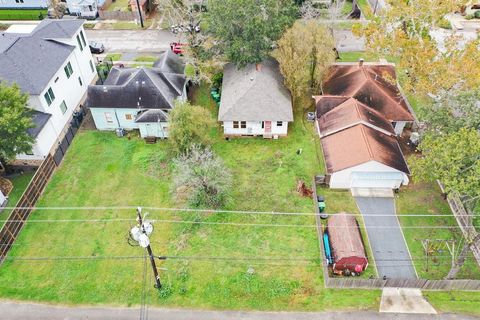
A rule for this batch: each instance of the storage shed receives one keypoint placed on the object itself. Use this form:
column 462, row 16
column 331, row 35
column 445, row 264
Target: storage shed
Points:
column 346, row 243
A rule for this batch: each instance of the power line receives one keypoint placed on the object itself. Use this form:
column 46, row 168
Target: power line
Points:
column 238, row 224
column 207, row 211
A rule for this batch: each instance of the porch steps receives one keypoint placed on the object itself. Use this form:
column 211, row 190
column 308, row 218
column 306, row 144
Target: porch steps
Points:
column 150, row 140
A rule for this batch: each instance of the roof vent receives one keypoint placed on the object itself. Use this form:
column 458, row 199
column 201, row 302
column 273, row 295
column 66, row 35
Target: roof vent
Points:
column 136, row 82
column 143, row 82
column 140, row 98
column 252, row 78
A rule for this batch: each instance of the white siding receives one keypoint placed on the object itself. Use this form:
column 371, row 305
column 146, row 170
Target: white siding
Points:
column 255, row 128
column 343, row 179
column 44, row 142
column 64, row 89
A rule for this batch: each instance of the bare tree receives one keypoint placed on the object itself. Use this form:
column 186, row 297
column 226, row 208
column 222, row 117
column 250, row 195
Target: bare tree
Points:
column 58, row 8
column 185, row 17
column 204, row 177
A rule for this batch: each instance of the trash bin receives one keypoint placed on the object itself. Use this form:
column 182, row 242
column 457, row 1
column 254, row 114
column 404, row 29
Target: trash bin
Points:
column 321, row 206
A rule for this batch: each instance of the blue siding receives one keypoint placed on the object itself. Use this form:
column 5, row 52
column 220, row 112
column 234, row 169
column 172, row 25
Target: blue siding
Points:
column 111, row 119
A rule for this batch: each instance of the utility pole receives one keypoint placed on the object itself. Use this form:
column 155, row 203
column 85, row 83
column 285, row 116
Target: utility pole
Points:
column 140, row 13
column 140, row 234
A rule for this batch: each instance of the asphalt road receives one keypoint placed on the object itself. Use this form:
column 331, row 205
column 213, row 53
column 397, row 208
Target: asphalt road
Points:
column 159, row 40
column 390, row 251
column 30, row 311
column 133, row 40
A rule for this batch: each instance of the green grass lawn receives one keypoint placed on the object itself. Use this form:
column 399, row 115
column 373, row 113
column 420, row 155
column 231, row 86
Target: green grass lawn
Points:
column 425, row 199
column 23, row 14
column 103, row 170
column 118, row 5
column 20, row 183
column 114, row 56
column 146, row 59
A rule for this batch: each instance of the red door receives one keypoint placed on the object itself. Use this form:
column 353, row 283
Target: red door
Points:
column 268, row 126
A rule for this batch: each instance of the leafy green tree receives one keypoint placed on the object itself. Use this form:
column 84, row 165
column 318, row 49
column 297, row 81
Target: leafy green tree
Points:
column 204, row 177
column 305, row 52
column 15, row 120
column 189, row 125
column 246, row 30
column 453, row 159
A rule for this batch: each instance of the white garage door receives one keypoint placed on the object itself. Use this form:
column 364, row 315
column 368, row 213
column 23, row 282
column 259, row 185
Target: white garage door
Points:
column 390, row 180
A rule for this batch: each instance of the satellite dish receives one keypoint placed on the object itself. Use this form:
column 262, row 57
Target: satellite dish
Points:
column 135, row 232
column 148, row 227
column 143, row 240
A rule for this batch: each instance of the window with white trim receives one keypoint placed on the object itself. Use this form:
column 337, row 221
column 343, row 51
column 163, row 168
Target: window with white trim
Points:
column 79, row 43
column 83, row 39
column 68, row 69
column 63, row 107
column 49, row 96
column 91, row 66
column 128, row 116
column 109, row 117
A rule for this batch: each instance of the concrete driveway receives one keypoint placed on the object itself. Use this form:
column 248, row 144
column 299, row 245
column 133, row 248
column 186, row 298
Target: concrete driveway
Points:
column 390, row 251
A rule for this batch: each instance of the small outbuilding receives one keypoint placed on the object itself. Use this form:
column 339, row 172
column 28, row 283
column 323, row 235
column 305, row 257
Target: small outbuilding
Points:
column 346, row 244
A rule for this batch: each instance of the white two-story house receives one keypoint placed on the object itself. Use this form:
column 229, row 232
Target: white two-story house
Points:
column 53, row 64
column 254, row 101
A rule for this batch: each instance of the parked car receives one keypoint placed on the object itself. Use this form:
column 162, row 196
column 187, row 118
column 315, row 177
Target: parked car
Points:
column 96, row 47
column 178, row 48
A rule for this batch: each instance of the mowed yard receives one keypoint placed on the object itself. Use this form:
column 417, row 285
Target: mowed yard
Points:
column 272, row 266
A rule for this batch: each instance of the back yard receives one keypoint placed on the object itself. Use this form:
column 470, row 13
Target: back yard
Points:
column 128, row 172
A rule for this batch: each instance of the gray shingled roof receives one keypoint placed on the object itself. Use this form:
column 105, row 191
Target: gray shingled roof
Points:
column 249, row 94
column 40, row 119
column 147, row 88
column 31, row 60
column 151, row 116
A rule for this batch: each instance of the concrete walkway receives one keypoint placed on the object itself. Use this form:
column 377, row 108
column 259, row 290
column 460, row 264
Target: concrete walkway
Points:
column 401, row 300
column 385, row 235
column 31, row 311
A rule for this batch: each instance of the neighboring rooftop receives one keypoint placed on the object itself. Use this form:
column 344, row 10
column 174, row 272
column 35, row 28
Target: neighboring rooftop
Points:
column 360, row 144
column 350, row 113
column 32, row 59
column 147, row 88
column 39, row 119
column 373, row 85
column 254, row 93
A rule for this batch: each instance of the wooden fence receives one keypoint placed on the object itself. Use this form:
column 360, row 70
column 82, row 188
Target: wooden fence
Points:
column 465, row 222
column 377, row 283
column 18, row 216
column 24, row 207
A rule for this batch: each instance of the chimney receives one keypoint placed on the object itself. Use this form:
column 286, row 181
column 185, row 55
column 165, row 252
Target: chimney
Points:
column 258, row 67
column 360, row 62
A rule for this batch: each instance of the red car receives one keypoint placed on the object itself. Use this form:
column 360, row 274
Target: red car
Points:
column 177, row 47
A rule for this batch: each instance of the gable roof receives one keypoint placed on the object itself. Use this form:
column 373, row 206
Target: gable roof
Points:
column 147, row 88
column 151, row 116
column 371, row 85
column 349, row 113
column 31, row 60
column 360, row 144
column 249, row 94
column 58, row 29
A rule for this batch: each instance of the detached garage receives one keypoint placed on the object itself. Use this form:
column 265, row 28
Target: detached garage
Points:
column 360, row 148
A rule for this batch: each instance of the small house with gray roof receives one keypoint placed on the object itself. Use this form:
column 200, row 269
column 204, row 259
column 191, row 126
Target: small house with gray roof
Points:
column 52, row 63
column 254, row 101
column 139, row 98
